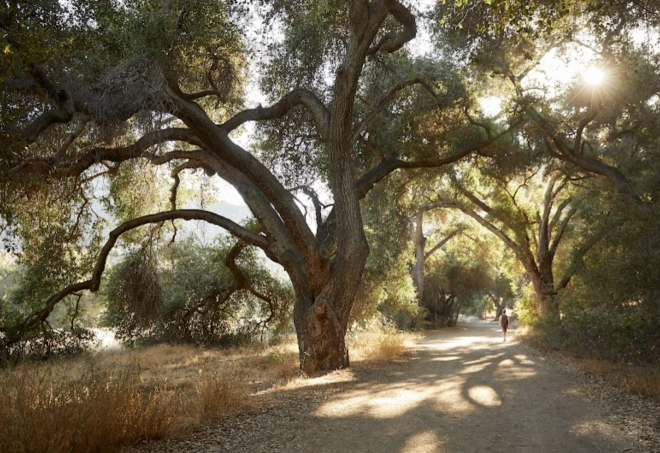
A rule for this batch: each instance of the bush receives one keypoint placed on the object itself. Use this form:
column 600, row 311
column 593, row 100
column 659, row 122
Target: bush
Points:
column 186, row 294
column 50, row 342
column 611, row 309
column 627, row 334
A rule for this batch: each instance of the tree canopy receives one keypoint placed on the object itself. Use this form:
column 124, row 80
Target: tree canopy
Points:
column 118, row 118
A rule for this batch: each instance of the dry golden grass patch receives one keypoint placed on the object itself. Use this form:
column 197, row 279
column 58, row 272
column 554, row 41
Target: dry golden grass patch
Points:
column 223, row 392
column 281, row 361
column 98, row 402
column 379, row 346
column 46, row 409
column 636, row 380
column 95, row 403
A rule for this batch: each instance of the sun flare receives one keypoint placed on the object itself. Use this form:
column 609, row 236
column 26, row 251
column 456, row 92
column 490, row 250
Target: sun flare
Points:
column 594, row 75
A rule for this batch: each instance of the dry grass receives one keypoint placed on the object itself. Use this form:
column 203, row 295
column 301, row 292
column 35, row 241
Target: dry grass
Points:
column 42, row 412
column 223, row 392
column 632, row 379
column 282, row 361
column 96, row 403
column 379, row 346
column 635, row 380
column 115, row 398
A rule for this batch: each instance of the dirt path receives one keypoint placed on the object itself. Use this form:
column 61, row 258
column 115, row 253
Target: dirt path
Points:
column 462, row 390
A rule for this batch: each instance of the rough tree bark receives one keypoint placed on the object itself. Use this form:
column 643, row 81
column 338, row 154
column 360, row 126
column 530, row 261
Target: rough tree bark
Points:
column 499, row 305
column 419, row 241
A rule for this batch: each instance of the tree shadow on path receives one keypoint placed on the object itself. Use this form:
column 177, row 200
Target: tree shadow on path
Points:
column 463, row 390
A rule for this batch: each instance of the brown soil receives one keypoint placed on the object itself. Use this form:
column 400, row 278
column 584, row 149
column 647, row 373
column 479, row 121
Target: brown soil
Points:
column 459, row 390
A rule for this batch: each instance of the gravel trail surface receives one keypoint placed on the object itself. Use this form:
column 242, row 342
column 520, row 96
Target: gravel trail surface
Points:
column 460, row 390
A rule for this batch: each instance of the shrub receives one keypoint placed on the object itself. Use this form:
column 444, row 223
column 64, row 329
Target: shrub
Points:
column 50, row 342
column 622, row 334
column 188, row 295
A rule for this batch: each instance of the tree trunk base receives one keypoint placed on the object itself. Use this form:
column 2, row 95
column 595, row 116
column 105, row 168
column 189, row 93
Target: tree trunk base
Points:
column 321, row 340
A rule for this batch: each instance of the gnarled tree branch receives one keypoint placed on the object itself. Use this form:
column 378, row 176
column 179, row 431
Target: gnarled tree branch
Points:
column 96, row 155
column 385, row 100
column 574, row 156
column 298, row 97
column 93, row 284
column 393, row 42
column 446, row 239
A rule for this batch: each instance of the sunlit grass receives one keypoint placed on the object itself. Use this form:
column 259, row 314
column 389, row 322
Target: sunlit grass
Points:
column 379, row 346
column 46, row 409
column 98, row 402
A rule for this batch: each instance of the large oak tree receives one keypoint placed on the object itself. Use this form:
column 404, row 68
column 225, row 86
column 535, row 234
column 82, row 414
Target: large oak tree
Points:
column 92, row 87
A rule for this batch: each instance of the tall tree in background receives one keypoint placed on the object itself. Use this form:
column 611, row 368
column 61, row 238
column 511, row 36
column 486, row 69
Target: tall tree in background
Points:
column 588, row 128
column 532, row 222
column 421, row 252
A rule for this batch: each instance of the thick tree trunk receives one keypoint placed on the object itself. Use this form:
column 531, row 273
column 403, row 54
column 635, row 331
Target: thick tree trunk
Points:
column 322, row 321
column 443, row 313
column 456, row 310
column 545, row 295
column 321, row 338
column 499, row 305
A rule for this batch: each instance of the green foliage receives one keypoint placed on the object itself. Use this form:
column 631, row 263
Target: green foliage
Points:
column 23, row 288
column 527, row 308
column 311, row 47
column 454, row 284
column 284, row 147
column 386, row 289
column 54, row 243
column 135, row 191
column 185, row 293
column 410, row 126
column 50, row 342
column 489, row 21
column 135, row 296
column 612, row 308
column 192, row 39
column 627, row 334
column 106, row 61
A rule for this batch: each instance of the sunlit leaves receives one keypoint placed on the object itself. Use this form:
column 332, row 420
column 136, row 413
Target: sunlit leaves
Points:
column 314, row 38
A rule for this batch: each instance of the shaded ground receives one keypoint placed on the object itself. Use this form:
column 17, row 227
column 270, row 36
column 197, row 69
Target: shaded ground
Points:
column 460, row 390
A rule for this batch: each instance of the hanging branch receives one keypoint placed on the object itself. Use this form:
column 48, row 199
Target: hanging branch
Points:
column 93, row 284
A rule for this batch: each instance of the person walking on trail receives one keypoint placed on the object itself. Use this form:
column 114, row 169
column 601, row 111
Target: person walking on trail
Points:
column 504, row 322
